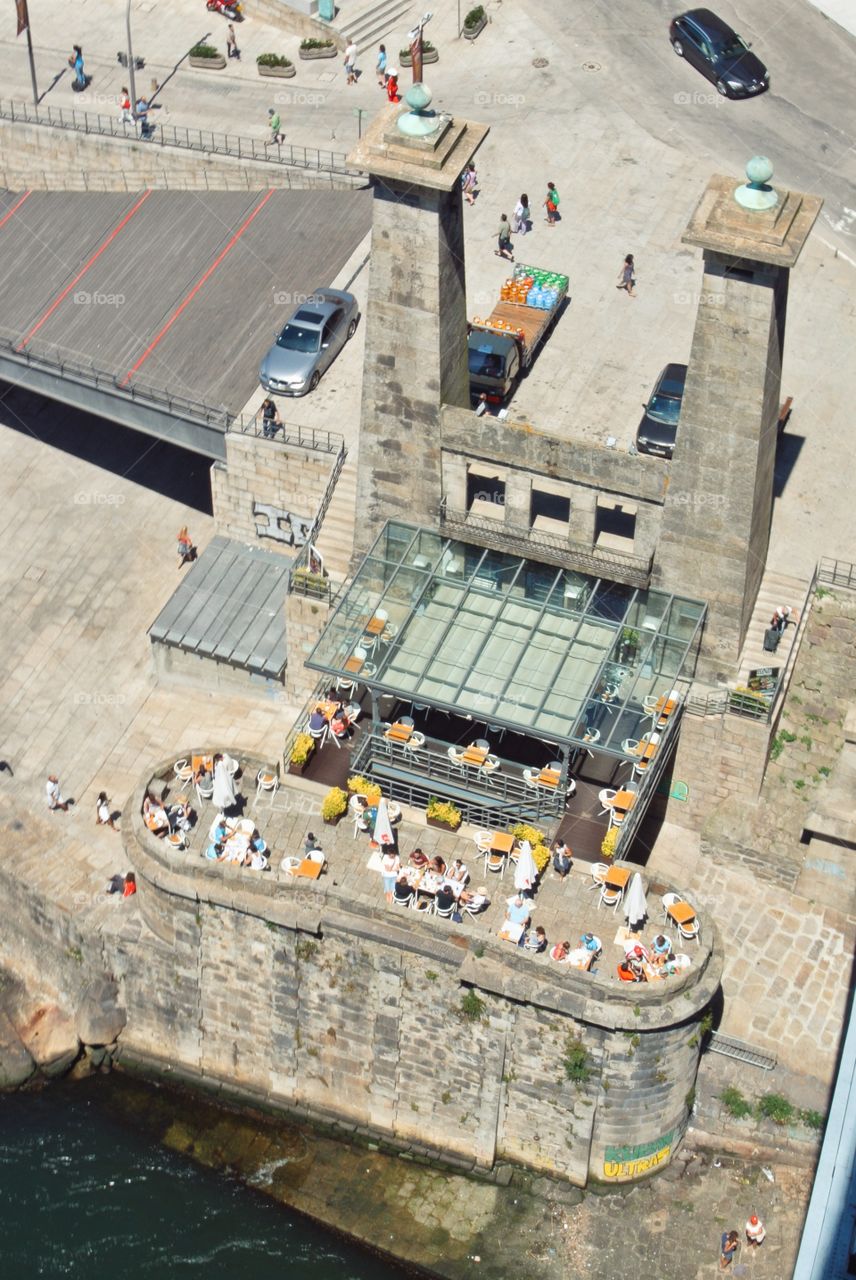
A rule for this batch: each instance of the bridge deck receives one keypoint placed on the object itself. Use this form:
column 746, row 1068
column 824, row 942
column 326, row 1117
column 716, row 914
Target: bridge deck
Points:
column 177, row 290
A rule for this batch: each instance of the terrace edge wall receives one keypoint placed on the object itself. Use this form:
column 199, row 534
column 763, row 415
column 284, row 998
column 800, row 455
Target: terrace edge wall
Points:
column 280, row 992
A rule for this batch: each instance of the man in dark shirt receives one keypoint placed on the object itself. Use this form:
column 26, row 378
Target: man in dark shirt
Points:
column 445, row 898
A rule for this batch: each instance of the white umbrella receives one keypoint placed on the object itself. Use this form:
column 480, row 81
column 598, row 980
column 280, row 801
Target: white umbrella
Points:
column 525, row 873
column 383, row 828
column 635, row 906
column 224, row 788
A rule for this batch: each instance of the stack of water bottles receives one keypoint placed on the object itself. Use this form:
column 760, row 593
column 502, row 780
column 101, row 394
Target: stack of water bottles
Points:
column 546, row 289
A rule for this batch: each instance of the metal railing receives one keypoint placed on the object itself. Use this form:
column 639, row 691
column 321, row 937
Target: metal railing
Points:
column 501, row 535
column 209, row 141
column 836, row 573
column 304, row 437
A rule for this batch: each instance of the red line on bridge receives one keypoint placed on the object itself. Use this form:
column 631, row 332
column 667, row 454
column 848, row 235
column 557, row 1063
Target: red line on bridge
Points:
column 15, row 208
column 193, row 292
column 97, row 254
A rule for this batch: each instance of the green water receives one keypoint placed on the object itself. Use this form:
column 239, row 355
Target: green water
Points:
column 82, row 1194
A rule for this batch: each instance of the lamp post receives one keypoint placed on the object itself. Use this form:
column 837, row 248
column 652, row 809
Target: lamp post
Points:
column 24, row 25
column 133, row 86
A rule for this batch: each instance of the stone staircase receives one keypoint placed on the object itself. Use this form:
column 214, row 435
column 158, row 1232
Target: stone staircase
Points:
column 336, row 539
column 367, row 24
column 776, row 589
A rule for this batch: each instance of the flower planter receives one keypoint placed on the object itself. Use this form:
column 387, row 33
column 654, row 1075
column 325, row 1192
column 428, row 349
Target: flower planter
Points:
column 470, row 33
column 440, row 825
column 405, row 60
column 333, row 822
column 308, row 54
column 208, row 64
column 299, row 769
column 279, row 73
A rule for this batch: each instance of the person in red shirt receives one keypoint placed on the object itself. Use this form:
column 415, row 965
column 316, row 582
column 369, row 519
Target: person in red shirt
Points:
column 392, row 86
column 127, row 114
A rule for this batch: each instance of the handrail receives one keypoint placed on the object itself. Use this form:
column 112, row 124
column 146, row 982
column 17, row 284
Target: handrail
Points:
column 252, row 424
column 836, row 573
column 208, row 140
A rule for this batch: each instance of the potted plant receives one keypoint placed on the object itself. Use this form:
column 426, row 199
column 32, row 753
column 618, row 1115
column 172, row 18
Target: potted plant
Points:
column 608, row 843
column 629, row 646
column 272, row 64
column 540, row 852
column 301, row 751
column 474, row 22
column 207, row 57
column 443, row 814
column 307, row 583
column 312, row 48
column 360, row 786
column 334, row 806
column 429, row 54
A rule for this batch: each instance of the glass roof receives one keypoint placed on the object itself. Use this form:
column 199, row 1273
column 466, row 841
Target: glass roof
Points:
column 508, row 641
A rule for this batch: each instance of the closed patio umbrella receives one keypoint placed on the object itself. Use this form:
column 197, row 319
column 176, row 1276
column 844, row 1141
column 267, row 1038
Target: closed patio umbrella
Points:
column 525, row 873
column 635, row 905
column 383, row 827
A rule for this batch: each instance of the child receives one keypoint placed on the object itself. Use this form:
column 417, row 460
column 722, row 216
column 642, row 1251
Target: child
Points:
column 103, row 817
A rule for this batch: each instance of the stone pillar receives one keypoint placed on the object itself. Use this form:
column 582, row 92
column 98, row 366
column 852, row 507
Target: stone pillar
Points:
column 716, row 520
column 416, row 336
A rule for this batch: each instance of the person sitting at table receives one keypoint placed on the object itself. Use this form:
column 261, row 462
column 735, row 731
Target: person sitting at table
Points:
column 627, row 973
column 154, row 816
column 475, row 901
column 561, row 859
column 517, row 910
column 180, row 815
column 256, row 860
column 418, row 859
column 661, row 949
column 317, row 721
column 438, row 864
column 310, row 844
column 340, row 725
column 215, row 850
column 536, row 941
column 561, row 951
column 457, row 872
column 634, row 951
column 590, row 942
column 445, row 898
column 636, row 964
column 402, row 891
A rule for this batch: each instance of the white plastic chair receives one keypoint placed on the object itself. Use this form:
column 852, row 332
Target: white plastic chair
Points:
column 489, row 767
column 669, row 900
column 629, row 746
column 530, row 777
column 598, row 871
column 404, row 902
column 689, row 931
column 176, row 839
column 606, row 797
column 445, row 913
column 320, row 735
column 610, row 897
column 204, row 791
column 289, row 865
column 267, row 780
column 414, row 743
column 182, row 770
column 483, row 840
column 457, row 759
column 495, row 862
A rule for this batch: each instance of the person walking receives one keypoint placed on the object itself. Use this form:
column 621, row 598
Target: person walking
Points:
column 186, row 552
column 103, row 816
column 755, row 1232
column 54, row 794
column 521, row 215
column 392, row 85
column 627, row 276
column 729, row 1245
column 271, row 422
column 470, row 183
column 380, row 66
column 551, row 204
column 276, row 134
column 351, row 63
column 76, row 64
column 504, row 249
column 232, row 50
column 125, row 107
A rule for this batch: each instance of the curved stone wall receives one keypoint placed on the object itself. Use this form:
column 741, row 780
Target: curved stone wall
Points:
column 416, row 1032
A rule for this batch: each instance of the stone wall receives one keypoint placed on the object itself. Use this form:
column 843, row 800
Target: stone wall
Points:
column 268, row 493
column 399, row 1028
column 40, row 157
column 725, row 756
column 305, row 619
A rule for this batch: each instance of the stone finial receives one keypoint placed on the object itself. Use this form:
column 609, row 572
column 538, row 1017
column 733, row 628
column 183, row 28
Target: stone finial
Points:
column 419, row 121
column 757, row 193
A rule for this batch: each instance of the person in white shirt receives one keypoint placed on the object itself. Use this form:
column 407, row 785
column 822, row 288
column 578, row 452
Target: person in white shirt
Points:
column 351, row 62
column 103, row 816
column 54, row 795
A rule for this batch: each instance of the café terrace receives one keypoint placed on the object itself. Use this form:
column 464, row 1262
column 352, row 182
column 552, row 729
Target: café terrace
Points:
column 505, row 685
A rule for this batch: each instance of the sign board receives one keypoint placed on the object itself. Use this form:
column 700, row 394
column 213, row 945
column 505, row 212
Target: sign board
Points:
column 764, row 680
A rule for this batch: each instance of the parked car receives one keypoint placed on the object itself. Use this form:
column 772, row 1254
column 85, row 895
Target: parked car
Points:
column 659, row 426
column 309, row 343
column 718, row 53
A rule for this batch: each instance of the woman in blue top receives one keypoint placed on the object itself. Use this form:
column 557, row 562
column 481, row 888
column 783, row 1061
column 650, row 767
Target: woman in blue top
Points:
column 381, row 66
column 76, row 61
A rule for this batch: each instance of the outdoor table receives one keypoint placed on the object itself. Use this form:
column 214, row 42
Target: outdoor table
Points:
column 327, row 709
column 202, row 762
column 549, row 778
column 309, row 869
column 399, row 732
column 375, row 626
column 646, row 750
column 623, row 800
column 354, row 664
column 681, row 912
column 429, row 882
column 475, row 755
column 511, row 932
column 617, row 877
column 502, row 842
column 579, row 958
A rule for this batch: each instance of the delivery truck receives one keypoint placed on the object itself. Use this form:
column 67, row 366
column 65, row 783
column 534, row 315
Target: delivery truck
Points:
column 503, row 345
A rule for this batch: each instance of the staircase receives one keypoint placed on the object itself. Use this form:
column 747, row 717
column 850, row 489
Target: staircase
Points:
column 775, row 589
column 336, row 539
column 367, row 24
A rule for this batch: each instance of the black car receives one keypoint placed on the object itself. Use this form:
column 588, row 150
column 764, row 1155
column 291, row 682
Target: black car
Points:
column 659, row 426
column 718, row 53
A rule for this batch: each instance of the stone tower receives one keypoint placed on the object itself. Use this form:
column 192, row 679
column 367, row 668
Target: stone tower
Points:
column 416, row 324
column 716, row 520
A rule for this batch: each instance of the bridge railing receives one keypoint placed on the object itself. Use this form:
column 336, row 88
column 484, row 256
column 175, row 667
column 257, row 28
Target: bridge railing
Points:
column 209, row 141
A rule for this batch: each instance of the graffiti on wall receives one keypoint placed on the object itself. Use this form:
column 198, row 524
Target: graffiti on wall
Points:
column 632, row 1162
column 281, row 526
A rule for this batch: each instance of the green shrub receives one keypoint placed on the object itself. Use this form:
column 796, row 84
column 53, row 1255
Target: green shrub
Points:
column 473, row 1007
column 204, row 51
column 311, row 43
column 608, row 843
column 334, row 804
column 474, row 17
column 812, row 1119
column 776, row 1108
column 576, row 1060
column 734, row 1102
column 427, row 47
column 272, row 60
column 443, row 811
column 302, row 748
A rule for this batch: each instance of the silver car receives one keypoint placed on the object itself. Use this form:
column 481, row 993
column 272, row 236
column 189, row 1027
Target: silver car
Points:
column 310, row 341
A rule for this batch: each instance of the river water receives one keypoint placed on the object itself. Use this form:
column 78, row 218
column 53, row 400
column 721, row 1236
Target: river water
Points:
column 84, row 1194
